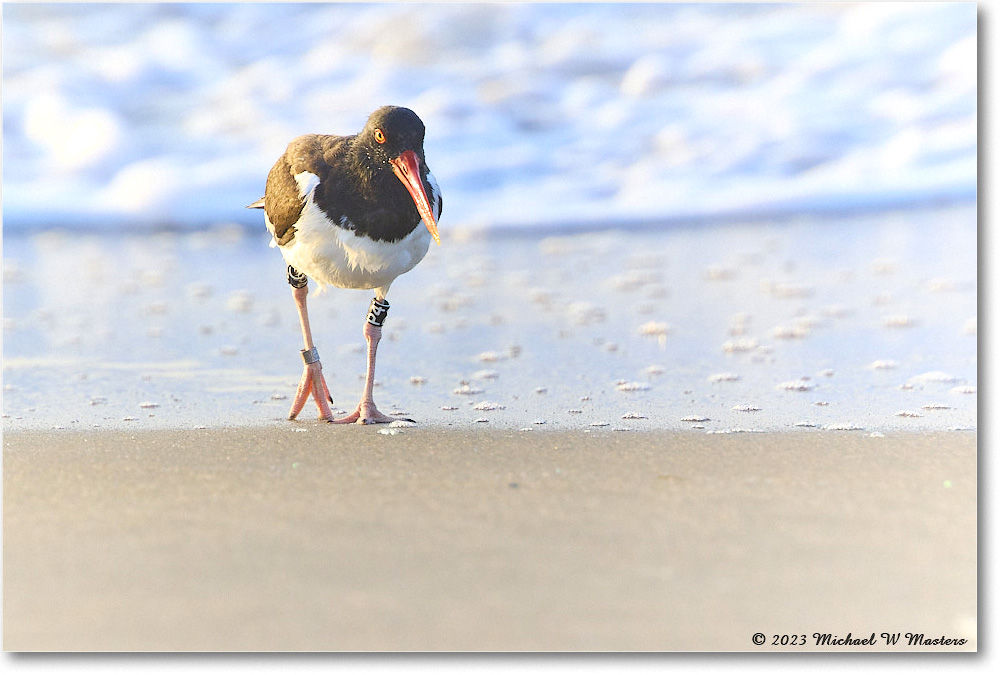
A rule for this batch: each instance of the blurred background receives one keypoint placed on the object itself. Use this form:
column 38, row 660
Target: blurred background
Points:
column 708, row 218
column 696, row 211
column 146, row 115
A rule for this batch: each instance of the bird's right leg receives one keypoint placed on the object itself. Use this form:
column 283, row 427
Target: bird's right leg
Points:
column 312, row 381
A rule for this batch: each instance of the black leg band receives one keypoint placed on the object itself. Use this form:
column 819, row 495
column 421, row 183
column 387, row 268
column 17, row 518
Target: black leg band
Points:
column 296, row 278
column 377, row 311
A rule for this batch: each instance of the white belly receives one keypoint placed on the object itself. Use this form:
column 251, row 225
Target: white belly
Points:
column 336, row 256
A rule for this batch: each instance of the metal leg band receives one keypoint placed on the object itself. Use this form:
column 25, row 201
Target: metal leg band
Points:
column 377, row 312
column 296, row 278
column 310, row 355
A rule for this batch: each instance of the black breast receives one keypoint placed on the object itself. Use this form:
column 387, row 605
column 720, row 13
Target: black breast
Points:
column 372, row 202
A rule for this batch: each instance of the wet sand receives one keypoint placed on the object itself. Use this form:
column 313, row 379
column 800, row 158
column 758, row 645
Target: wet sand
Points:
column 862, row 322
column 664, row 438
column 308, row 537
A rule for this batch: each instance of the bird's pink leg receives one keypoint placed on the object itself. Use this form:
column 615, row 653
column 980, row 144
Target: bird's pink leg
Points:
column 366, row 412
column 312, row 381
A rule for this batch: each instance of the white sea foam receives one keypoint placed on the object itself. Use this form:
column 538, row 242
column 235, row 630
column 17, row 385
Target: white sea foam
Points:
column 556, row 113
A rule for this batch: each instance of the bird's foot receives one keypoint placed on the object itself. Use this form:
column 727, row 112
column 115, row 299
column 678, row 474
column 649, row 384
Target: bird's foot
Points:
column 313, row 383
column 367, row 413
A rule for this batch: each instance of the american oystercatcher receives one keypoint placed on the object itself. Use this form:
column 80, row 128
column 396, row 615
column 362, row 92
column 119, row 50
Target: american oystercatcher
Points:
column 346, row 211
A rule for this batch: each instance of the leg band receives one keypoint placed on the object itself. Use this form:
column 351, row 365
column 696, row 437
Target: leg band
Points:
column 296, row 278
column 310, row 355
column 377, row 311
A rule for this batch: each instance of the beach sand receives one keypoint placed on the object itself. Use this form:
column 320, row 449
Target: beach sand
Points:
column 310, row 537
column 867, row 321
column 647, row 438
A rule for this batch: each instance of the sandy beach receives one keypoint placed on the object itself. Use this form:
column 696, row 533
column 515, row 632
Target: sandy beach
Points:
column 865, row 322
column 694, row 368
column 656, row 439
column 310, row 537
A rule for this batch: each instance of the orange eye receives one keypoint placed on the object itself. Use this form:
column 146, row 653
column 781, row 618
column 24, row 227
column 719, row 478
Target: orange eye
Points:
column 379, row 136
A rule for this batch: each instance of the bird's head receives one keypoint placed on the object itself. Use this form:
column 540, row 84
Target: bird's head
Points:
column 394, row 137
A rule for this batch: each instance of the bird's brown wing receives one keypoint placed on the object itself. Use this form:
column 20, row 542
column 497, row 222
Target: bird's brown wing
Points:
column 283, row 201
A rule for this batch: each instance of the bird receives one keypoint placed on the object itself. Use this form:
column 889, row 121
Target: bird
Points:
column 354, row 212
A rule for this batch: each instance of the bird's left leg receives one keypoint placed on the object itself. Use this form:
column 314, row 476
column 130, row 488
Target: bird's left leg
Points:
column 312, row 381
column 366, row 412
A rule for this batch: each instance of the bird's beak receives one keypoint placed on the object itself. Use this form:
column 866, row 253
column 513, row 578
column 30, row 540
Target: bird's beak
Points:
column 407, row 169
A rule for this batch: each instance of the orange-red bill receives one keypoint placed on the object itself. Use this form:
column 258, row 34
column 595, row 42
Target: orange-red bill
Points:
column 407, row 169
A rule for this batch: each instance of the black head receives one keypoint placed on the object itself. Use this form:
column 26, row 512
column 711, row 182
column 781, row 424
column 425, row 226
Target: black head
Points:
column 390, row 131
column 393, row 140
